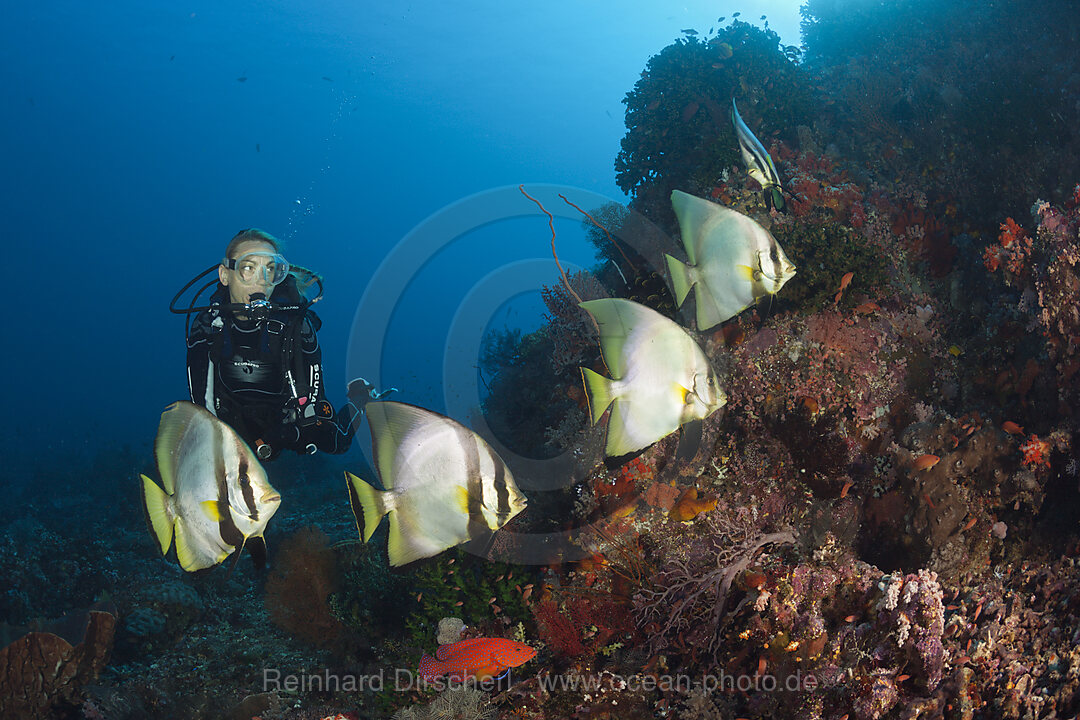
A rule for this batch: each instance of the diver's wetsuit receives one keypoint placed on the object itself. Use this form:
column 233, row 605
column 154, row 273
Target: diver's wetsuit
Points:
column 264, row 378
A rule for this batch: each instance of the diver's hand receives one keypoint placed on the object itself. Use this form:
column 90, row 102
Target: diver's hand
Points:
column 361, row 392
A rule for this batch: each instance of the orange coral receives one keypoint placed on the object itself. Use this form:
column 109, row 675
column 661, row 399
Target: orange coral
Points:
column 1013, row 249
column 1036, row 452
column 556, row 630
column 625, row 479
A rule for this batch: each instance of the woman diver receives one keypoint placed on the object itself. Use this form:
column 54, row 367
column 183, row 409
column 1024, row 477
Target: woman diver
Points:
column 253, row 357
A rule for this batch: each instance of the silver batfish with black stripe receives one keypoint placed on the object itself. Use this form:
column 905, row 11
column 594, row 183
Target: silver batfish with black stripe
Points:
column 444, row 485
column 660, row 377
column 734, row 262
column 217, row 497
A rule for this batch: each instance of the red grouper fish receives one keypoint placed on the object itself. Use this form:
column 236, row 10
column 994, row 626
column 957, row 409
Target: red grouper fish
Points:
column 481, row 658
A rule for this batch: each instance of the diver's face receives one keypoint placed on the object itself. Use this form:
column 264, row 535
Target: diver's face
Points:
column 239, row 291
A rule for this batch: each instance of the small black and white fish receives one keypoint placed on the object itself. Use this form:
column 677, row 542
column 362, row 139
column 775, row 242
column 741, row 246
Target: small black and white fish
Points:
column 444, row 484
column 758, row 163
column 216, row 496
column 734, row 261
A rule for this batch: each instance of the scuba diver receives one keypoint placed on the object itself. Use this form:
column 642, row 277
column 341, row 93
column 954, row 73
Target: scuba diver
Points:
column 253, row 356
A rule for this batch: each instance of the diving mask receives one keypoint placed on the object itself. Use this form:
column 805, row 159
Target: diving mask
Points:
column 270, row 268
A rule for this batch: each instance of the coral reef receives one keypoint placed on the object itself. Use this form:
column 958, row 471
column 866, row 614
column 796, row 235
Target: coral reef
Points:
column 368, row 601
column 679, row 133
column 876, row 406
column 925, row 104
column 571, row 332
column 584, row 622
column 823, row 253
column 684, row 605
column 487, row 594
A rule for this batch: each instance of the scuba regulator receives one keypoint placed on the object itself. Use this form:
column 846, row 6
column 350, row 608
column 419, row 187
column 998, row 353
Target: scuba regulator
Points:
column 257, row 308
column 300, row 289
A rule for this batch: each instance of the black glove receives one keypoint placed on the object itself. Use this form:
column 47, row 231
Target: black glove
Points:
column 360, row 392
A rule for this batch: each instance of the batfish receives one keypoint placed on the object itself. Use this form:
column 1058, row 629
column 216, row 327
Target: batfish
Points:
column 733, row 260
column 216, row 496
column 660, row 380
column 444, row 485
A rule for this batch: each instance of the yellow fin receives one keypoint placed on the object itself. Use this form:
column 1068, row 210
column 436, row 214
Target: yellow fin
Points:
column 746, row 272
column 372, row 505
column 157, row 507
column 682, row 392
column 463, row 498
column 175, row 421
column 212, row 510
column 184, row 553
column 598, row 392
column 681, row 278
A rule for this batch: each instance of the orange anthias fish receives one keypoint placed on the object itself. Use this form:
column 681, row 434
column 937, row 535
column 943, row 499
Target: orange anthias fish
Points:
column 1012, row 428
column 481, row 658
column 927, row 461
column 844, row 282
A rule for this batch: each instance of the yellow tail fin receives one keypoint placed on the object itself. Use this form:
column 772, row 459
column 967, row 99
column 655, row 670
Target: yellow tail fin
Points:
column 158, row 509
column 681, row 280
column 598, row 389
column 371, row 502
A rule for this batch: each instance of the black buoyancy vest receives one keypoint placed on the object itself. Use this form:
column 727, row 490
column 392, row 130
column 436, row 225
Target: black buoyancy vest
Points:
column 252, row 356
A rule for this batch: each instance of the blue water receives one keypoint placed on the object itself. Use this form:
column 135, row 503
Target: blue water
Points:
column 137, row 138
